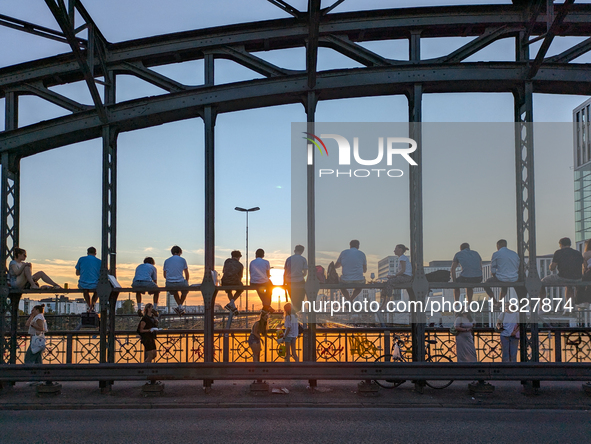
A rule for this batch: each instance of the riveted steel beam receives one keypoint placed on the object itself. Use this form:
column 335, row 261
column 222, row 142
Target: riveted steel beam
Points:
column 31, row 28
column 152, row 111
column 139, row 70
column 39, row 90
column 314, row 17
column 500, row 371
column 489, row 36
column 286, row 7
column 572, row 53
column 290, row 33
column 61, row 16
column 244, row 58
column 550, row 34
column 354, row 51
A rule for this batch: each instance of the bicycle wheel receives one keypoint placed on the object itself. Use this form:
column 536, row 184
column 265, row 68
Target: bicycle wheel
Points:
column 439, row 383
column 389, row 383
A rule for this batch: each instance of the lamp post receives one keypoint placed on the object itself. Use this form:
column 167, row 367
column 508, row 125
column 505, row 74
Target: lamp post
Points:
column 244, row 210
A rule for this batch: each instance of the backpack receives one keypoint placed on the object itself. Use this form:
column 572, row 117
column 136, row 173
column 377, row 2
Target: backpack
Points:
column 320, row 274
column 438, row 276
column 332, row 277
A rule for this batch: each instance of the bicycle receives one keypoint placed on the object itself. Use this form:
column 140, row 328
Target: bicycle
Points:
column 397, row 356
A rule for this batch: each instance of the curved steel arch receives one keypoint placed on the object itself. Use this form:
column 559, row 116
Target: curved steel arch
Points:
column 96, row 58
column 157, row 110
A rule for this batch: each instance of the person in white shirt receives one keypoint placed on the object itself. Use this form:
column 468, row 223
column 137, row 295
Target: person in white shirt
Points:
column 176, row 273
column 260, row 272
column 37, row 326
column 296, row 268
column 504, row 267
column 354, row 265
column 291, row 333
column 145, row 277
column 508, row 324
column 404, row 273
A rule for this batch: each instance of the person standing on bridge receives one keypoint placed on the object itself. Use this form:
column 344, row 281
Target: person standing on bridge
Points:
column 259, row 328
column 465, row 349
column 147, row 331
column 296, row 268
column 37, row 326
column 260, row 273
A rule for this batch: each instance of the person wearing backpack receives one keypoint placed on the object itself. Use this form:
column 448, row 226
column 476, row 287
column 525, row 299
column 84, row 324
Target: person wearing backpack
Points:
column 232, row 275
column 296, row 268
column 291, row 334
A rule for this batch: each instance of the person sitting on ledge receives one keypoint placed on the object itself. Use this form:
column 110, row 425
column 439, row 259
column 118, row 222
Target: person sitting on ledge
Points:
column 145, row 276
column 89, row 269
column 21, row 274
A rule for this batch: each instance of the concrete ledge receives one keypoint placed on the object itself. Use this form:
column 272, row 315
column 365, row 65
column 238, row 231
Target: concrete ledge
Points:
column 258, row 388
column 480, row 388
column 48, row 389
column 368, row 388
column 152, row 389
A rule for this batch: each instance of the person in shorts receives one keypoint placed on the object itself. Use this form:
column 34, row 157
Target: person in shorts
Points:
column 89, row 269
column 176, row 273
column 354, row 265
column 569, row 263
column 146, row 276
column 20, row 273
column 471, row 264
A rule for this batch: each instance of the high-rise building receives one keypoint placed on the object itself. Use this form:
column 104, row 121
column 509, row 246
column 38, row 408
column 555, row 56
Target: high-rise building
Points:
column 582, row 160
column 387, row 267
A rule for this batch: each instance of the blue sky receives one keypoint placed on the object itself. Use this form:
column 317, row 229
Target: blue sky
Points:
column 161, row 168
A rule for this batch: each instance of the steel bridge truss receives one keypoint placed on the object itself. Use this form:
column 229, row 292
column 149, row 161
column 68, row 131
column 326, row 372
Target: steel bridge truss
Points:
column 98, row 63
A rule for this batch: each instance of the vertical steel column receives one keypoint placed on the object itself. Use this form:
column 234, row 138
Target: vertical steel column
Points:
column 309, row 352
column 420, row 286
column 525, row 200
column 108, row 246
column 207, row 286
column 9, row 231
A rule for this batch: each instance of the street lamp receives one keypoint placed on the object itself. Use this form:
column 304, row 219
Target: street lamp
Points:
column 244, row 210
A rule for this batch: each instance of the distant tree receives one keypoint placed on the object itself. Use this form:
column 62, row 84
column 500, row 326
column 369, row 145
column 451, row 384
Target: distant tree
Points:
column 128, row 307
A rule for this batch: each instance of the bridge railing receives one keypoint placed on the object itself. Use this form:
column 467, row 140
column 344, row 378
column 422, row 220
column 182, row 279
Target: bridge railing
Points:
column 332, row 345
